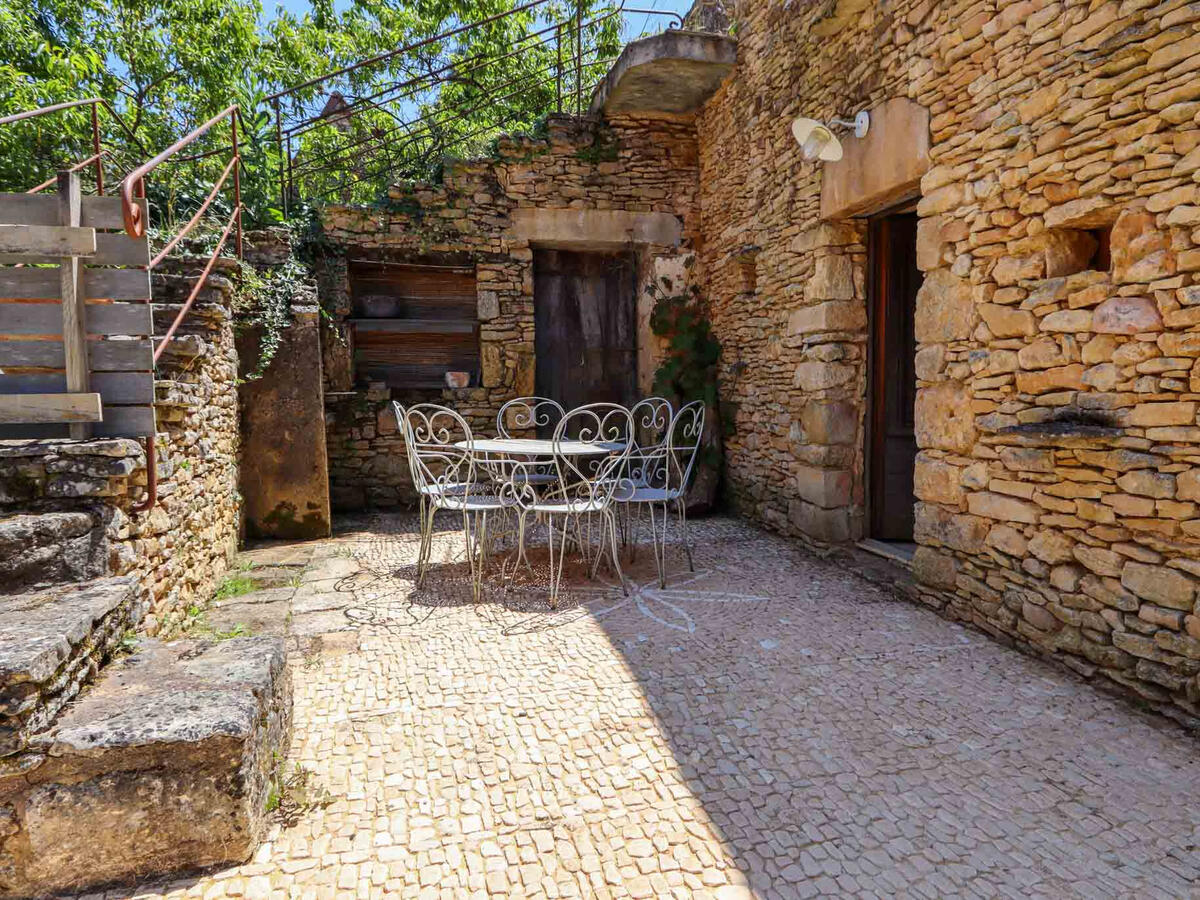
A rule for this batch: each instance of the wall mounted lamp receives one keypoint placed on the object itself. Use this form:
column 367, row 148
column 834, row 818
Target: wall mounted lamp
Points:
column 818, row 141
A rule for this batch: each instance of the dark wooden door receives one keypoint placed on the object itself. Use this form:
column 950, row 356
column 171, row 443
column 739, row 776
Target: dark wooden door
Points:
column 585, row 334
column 895, row 280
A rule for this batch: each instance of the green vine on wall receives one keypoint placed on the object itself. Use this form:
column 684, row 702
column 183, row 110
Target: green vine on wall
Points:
column 688, row 370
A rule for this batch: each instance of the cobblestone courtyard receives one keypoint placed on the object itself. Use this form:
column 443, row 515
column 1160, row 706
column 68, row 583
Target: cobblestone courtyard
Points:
column 770, row 726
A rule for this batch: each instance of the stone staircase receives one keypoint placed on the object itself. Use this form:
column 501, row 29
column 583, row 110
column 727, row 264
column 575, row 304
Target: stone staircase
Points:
column 122, row 757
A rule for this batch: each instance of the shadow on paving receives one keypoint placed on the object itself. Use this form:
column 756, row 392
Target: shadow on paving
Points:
column 840, row 740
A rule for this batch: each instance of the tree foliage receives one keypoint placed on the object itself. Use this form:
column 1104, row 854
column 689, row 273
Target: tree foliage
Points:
column 168, row 65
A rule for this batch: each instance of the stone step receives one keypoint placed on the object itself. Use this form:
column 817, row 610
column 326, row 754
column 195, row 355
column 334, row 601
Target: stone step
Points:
column 52, row 642
column 165, row 764
column 50, row 548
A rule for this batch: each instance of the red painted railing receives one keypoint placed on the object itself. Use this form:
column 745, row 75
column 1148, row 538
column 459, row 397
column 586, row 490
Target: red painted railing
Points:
column 133, row 189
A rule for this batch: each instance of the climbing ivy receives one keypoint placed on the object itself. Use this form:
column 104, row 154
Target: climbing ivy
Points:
column 689, row 368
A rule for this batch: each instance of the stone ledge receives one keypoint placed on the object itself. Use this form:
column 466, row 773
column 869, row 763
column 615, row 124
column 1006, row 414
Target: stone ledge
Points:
column 1060, row 434
column 164, row 765
column 52, row 641
column 673, row 72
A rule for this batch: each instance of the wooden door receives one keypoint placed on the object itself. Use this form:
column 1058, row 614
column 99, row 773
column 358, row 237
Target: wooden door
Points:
column 584, row 318
column 895, row 280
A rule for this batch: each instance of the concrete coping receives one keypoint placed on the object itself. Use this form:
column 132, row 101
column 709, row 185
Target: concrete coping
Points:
column 670, row 73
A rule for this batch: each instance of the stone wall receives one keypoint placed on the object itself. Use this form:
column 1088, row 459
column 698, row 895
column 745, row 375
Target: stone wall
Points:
column 179, row 549
column 1056, row 415
column 631, row 183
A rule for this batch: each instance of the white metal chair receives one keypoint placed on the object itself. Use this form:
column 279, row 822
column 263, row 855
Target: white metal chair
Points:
column 668, row 475
column 651, row 421
column 591, row 448
column 526, row 413
column 442, row 462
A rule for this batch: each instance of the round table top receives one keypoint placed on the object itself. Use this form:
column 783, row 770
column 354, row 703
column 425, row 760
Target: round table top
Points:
column 539, row 447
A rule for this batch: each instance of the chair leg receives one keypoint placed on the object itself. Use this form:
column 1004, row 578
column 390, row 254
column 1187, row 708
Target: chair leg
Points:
column 556, row 572
column 426, row 542
column 470, row 553
column 659, row 546
column 637, row 528
column 681, row 504
column 612, row 533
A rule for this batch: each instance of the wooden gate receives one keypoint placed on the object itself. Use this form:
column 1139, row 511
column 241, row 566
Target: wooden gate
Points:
column 75, row 318
column 586, row 339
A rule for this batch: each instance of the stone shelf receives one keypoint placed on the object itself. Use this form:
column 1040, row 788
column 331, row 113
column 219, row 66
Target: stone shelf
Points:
column 1060, row 433
column 673, row 72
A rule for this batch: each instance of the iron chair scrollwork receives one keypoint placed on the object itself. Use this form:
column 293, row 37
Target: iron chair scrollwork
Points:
column 590, row 451
column 442, row 462
column 669, row 476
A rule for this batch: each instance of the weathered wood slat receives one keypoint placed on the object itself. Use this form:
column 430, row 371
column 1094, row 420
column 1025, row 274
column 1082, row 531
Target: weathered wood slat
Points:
column 126, row 421
column 98, row 284
column 36, row 409
column 42, row 209
column 119, row 421
column 113, row 248
column 113, row 387
column 103, row 356
column 102, row 318
column 47, row 240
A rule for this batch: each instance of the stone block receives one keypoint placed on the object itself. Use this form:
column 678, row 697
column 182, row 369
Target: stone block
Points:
column 833, row 422
column 815, row 375
column 1160, row 585
column 943, row 417
column 945, row 308
column 937, row 481
column 833, row 279
column 50, row 547
column 1058, row 378
column 1067, row 320
column 165, row 765
column 1126, row 315
column 1149, row 415
column 827, row 488
column 958, row 531
column 1052, row 547
column 1002, row 507
column 1004, row 321
column 938, row 570
column 834, row 315
column 883, row 166
column 51, row 642
column 827, row 525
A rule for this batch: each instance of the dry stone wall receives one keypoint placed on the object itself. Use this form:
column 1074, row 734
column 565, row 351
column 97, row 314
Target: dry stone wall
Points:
column 1058, row 324
column 628, row 165
column 72, row 502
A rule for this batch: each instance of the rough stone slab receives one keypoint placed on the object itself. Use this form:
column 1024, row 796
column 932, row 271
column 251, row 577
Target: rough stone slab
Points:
column 51, row 642
column 50, row 548
column 164, row 765
column 672, row 72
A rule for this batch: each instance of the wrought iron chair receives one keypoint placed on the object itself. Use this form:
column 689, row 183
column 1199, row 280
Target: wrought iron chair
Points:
column 524, row 413
column 651, row 421
column 441, row 458
column 668, row 475
column 591, row 449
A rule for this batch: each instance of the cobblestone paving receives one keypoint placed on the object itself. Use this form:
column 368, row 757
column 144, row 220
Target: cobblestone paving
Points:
column 769, row 726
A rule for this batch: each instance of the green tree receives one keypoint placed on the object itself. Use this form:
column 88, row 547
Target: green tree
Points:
column 166, row 67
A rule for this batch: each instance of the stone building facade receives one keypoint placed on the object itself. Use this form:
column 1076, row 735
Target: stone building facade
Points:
column 624, row 184
column 1048, row 150
column 1051, row 147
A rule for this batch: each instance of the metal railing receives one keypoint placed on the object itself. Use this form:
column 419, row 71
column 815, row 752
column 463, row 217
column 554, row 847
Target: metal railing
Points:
column 132, row 192
column 96, row 160
column 571, row 45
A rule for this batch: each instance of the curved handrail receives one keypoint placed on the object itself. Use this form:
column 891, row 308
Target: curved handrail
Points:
column 131, row 211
